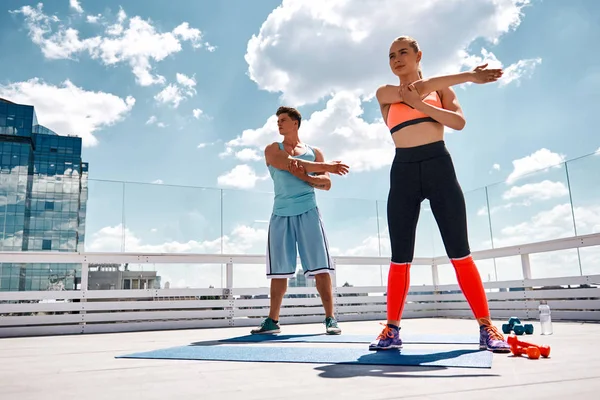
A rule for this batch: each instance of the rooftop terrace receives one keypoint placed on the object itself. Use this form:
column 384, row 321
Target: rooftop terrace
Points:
column 203, row 280
column 69, row 367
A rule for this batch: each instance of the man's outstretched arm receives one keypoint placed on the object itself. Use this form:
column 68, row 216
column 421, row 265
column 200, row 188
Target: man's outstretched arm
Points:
column 281, row 160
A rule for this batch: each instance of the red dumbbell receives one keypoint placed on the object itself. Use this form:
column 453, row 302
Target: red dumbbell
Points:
column 531, row 351
column 544, row 350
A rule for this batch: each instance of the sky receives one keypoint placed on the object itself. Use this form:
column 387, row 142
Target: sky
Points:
column 178, row 99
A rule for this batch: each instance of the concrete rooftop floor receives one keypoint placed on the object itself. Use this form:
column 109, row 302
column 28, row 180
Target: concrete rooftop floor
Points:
column 85, row 367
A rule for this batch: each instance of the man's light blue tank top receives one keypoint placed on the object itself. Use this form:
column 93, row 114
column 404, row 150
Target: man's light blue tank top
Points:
column 293, row 196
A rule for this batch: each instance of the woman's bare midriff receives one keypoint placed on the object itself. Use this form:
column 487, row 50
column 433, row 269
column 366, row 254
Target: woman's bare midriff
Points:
column 418, row 135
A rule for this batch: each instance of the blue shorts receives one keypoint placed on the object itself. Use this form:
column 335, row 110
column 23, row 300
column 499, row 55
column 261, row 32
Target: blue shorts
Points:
column 305, row 230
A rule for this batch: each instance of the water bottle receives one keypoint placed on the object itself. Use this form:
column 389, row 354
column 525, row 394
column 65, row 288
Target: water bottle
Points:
column 545, row 320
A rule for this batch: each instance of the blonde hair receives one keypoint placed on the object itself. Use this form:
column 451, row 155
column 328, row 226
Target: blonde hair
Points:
column 415, row 46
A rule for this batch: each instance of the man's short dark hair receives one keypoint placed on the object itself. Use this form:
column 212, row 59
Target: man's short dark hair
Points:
column 291, row 112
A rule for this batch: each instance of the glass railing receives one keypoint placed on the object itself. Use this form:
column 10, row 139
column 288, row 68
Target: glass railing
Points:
column 552, row 203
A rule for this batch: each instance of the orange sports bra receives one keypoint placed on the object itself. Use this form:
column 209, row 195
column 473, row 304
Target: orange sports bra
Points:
column 401, row 115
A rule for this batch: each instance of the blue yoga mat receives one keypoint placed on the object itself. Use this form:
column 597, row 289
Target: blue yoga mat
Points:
column 312, row 355
column 323, row 338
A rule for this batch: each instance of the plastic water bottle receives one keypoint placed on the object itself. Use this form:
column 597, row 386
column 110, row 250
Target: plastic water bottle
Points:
column 545, row 319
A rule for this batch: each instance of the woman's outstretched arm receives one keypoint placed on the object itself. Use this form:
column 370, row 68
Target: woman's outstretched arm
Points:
column 389, row 94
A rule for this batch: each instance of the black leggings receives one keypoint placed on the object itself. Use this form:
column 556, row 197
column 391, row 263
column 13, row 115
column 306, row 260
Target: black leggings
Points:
column 418, row 173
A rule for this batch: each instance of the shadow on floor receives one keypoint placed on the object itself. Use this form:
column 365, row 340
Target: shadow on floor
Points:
column 372, row 368
column 337, row 371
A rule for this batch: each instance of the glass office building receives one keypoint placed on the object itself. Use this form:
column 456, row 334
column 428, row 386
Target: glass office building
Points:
column 43, row 195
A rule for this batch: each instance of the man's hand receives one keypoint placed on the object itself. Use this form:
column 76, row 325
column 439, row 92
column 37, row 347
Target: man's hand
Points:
column 296, row 169
column 482, row 75
column 336, row 167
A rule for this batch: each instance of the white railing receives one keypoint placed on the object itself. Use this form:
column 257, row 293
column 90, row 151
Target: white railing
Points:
column 94, row 311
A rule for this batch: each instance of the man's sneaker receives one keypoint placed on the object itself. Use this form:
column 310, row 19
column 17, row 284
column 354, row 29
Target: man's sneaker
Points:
column 491, row 339
column 389, row 338
column 331, row 326
column 268, row 326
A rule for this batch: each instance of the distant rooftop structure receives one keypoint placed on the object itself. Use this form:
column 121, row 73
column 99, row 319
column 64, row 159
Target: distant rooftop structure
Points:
column 41, row 129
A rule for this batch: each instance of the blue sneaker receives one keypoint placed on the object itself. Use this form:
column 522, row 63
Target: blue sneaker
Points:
column 331, row 326
column 389, row 338
column 268, row 326
column 491, row 339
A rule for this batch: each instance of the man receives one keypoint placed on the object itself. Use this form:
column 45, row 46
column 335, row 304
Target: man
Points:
column 297, row 169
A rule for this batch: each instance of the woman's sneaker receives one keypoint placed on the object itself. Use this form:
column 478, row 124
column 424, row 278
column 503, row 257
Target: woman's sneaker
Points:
column 389, row 338
column 268, row 326
column 491, row 339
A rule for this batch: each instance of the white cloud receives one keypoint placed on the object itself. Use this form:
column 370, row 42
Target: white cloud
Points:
column 75, row 5
column 151, row 120
column 137, row 44
column 496, row 167
column 525, row 195
column 158, row 182
column 248, row 155
column 554, row 223
column 186, row 81
column 170, row 94
column 241, row 238
column 197, row 112
column 521, row 69
column 241, row 176
column 176, row 93
column 543, row 190
column 340, row 41
column 93, row 19
column 68, row 109
column 538, row 161
column 339, row 130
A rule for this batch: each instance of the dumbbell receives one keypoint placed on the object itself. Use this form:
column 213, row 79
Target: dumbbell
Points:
column 531, row 351
column 514, row 324
column 544, row 350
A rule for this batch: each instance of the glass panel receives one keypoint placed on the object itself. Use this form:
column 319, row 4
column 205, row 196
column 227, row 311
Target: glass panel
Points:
column 104, row 217
column 531, row 208
column 584, row 181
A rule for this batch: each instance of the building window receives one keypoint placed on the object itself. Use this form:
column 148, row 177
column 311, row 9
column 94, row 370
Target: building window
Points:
column 46, row 244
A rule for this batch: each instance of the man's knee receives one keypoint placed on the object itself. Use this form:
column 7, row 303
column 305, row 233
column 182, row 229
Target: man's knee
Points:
column 324, row 278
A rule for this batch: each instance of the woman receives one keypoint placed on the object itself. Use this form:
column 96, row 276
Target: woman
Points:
column 416, row 113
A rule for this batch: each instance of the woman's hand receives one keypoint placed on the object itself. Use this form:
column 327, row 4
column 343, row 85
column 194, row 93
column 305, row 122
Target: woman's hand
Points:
column 410, row 95
column 482, row 75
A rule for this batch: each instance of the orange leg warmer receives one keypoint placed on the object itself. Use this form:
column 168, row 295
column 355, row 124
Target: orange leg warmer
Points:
column 471, row 285
column 397, row 290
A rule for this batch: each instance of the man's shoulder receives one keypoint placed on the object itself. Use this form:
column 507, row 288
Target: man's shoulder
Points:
column 315, row 149
column 272, row 145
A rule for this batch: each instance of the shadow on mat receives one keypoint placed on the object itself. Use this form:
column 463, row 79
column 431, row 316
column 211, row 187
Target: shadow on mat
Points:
column 247, row 339
column 207, row 343
column 255, row 339
column 337, row 371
